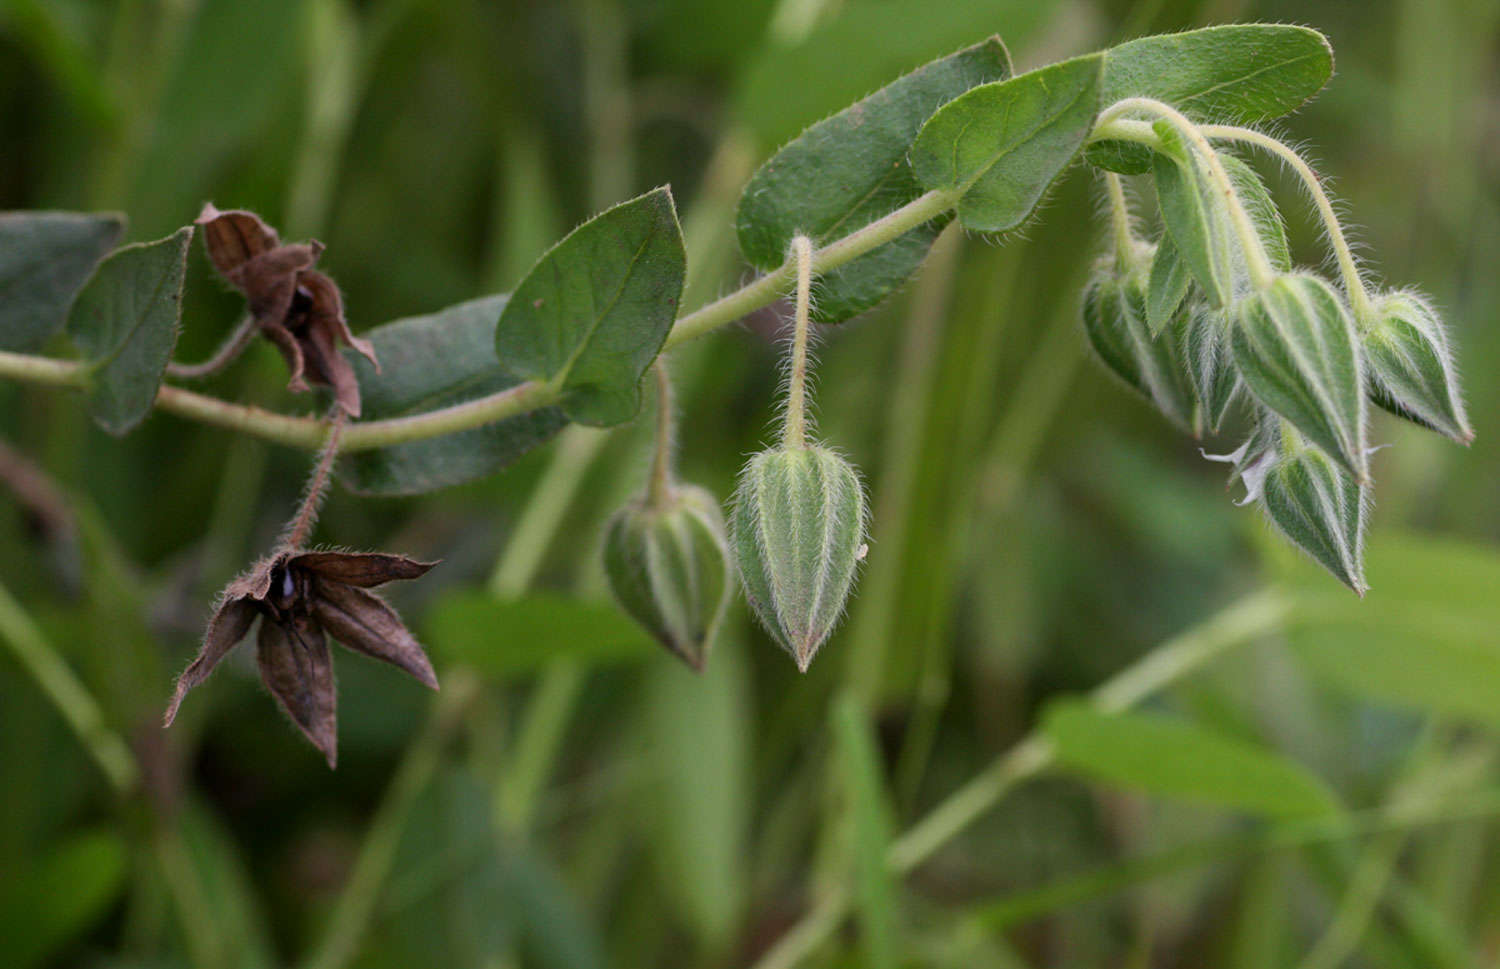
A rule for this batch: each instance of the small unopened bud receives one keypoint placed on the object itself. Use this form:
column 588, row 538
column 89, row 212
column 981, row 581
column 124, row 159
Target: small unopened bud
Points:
column 797, row 534
column 1319, row 507
column 1295, row 348
column 1115, row 322
column 668, row 564
column 1409, row 365
column 1209, row 361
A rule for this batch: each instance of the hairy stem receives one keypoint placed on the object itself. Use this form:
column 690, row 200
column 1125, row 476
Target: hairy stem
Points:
column 794, row 433
column 1256, row 260
column 228, row 351
column 1119, row 219
column 317, row 484
column 659, row 486
column 1354, row 284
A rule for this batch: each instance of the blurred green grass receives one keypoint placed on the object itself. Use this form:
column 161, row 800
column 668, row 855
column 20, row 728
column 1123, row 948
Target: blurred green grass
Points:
column 1042, row 528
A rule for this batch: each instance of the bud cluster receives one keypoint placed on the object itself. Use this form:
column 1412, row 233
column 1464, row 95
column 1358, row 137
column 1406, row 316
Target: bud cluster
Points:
column 1214, row 313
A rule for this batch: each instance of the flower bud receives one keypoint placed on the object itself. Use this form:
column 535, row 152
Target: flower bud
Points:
column 1409, row 366
column 1210, row 363
column 668, row 565
column 1319, row 507
column 1114, row 320
column 1295, row 348
column 797, row 535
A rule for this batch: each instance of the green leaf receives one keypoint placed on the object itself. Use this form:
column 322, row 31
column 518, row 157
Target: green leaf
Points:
column 1001, row 145
column 1121, row 157
column 555, row 930
column 125, row 324
column 1427, row 637
column 1261, row 208
column 434, row 361
column 45, row 257
column 1167, row 287
column 1174, row 758
column 70, row 889
column 517, row 637
column 849, row 170
column 864, row 782
column 1240, row 73
column 594, row 311
column 1195, row 216
column 227, row 891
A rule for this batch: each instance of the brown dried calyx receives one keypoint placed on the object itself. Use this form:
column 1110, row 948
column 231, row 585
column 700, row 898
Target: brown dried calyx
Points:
column 301, row 598
column 297, row 308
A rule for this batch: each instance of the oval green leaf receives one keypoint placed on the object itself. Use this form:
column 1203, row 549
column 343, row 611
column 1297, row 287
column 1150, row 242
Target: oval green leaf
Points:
column 1195, row 217
column 849, row 170
column 45, row 258
column 1174, row 758
column 125, row 324
column 594, row 311
column 433, row 361
column 1001, row 145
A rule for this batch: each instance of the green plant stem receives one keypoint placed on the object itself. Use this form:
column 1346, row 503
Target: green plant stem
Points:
column 1256, row 260
column 1354, row 284
column 357, row 902
column 659, row 485
column 794, row 433
column 1119, row 220
column 308, row 432
column 1255, row 615
column 71, row 698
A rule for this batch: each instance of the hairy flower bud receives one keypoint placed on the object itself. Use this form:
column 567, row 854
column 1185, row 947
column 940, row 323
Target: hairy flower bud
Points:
column 1209, row 361
column 668, row 564
column 1409, row 366
column 1295, row 348
column 797, row 535
column 1319, row 507
column 1115, row 322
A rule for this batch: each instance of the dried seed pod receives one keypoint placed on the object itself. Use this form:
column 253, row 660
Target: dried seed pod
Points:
column 1115, row 322
column 1295, row 348
column 668, row 564
column 797, row 535
column 1409, row 365
column 1319, row 507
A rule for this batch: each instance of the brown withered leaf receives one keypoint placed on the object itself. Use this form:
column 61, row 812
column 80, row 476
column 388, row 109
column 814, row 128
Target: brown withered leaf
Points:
column 297, row 308
column 302, row 598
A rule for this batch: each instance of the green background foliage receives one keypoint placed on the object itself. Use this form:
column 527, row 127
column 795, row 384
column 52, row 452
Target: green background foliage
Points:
column 1319, row 792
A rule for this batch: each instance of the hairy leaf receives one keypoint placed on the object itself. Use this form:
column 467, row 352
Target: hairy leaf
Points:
column 1195, row 216
column 433, row 361
column 1002, row 145
column 45, row 258
column 849, row 170
column 125, row 324
column 1175, row 758
column 1168, row 285
column 594, row 311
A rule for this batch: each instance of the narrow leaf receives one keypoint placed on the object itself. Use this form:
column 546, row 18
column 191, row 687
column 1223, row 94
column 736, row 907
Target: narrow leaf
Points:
column 849, row 170
column 594, row 311
column 515, row 637
column 1174, row 758
column 1168, row 285
column 45, row 258
column 1195, row 217
column 433, row 361
column 125, row 324
column 1002, row 145
column 864, row 781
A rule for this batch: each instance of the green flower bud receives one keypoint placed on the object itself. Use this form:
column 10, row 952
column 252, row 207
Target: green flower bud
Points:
column 1115, row 322
column 1294, row 346
column 1319, row 507
column 1210, row 363
column 797, row 534
column 668, row 565
column 1409, row 366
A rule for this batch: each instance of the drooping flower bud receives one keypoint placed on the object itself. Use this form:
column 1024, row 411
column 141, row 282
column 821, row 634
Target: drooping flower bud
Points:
column 1209, row 361
column 1115, row 322
column 797, row 535
column 1317, row 505
column 1409, row 366
column 1295, row 348
column 668, row 565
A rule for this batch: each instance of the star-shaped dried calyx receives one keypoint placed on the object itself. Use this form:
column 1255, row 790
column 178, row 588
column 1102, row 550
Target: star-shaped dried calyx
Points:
column 302, row 598
column 297, row 308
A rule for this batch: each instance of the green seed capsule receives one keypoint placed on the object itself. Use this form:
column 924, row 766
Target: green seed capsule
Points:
column 1295, row 348
column 1319, row 507
column 1410, row 366
column 797, row 535
column 668, row 566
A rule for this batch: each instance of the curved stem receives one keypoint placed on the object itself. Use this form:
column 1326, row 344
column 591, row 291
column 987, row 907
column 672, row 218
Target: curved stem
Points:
column 1256, row 260
column 232, row 347
column 794, row 433
column 317, row 484
column 1354, row 284
column 659, row 487
column 1119, row 217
